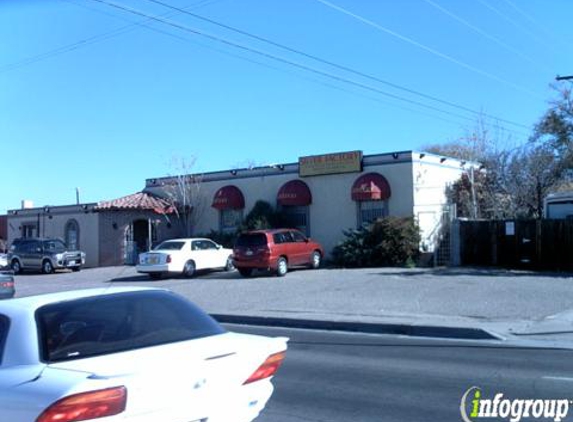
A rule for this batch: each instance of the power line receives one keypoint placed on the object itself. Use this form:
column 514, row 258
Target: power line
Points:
column 276, row 58
column 428, row 49
column 335, row 65
column 93, row 40
column 128, row 28
column 485, row 34
column 516, row 24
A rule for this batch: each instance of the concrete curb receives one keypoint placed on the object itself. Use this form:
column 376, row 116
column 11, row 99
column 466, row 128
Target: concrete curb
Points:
column 412, row 330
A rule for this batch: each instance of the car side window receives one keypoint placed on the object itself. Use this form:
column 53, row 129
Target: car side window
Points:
column 104, row 325
column 4, row 326
column 298, row 237
column 278, row 238
column 194, row 245
column 287, row 237
column 207, row 244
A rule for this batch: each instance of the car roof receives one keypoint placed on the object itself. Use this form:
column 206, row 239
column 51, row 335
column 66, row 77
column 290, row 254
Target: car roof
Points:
column 187, row 239
column 31, row 303
column 270, row 231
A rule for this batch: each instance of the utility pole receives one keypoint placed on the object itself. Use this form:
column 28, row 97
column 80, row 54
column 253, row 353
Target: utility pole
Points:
column 564, row 78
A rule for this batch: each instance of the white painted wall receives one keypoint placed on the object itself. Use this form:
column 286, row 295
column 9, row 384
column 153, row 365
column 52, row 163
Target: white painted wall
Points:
column 431, row 177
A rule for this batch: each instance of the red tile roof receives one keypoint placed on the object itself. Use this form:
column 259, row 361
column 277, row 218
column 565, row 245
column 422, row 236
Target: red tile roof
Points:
column 141, row 201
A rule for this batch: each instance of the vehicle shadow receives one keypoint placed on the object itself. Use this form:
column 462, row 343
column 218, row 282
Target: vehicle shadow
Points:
column 200, row 275
column 469, row 271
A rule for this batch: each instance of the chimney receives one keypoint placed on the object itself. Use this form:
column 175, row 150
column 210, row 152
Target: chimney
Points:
column 27, row 203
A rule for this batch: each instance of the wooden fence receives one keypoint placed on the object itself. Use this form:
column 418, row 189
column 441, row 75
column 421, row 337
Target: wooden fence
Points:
column 527, row 244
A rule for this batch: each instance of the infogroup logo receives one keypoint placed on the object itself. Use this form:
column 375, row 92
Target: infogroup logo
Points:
column 474, row 407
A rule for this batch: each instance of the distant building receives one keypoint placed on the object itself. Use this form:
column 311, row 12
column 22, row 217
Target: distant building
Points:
column 558, row 205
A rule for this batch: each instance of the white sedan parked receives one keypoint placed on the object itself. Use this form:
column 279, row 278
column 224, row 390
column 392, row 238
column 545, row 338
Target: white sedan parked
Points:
column 184, row 256
column 131, row 355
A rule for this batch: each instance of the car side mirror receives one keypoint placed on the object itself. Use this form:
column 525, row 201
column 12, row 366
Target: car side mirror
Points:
column 219, row 246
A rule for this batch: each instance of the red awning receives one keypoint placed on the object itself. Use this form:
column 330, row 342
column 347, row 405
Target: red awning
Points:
column 294, row 193
column 228, row 198
column 371, row 187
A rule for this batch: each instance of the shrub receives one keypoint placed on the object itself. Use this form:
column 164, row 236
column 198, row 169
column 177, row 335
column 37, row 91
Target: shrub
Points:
column 225, row 239
column 389, row 241
column 263, row 216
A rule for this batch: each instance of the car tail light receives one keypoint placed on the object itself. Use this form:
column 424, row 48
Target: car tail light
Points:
column 168, row 259
column 86, row 406
column 268, row 368
column 7, row 284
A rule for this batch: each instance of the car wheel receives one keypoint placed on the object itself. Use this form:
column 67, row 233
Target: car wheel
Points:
column 16, row 267
column 229, row 266
column 282, row 267
column 245, row 272
column 155, row 276
column 47, row 267
column 315, row 260
column 189, row 269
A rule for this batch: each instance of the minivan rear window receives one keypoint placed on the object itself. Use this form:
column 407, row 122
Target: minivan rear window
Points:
column 119, row 322
column 251, row 240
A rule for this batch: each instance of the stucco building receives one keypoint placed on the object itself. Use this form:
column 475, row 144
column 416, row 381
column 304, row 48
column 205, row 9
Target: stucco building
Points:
column 322, row 195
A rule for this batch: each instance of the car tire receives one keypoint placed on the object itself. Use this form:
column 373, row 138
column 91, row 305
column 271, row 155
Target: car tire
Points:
column 155, row 276
column 16, row 266
column 282, row 267
column 315, row 260
column 229, row 266
column 47, row 267
column 76, row 269
column 189, row 269
column 245, row 272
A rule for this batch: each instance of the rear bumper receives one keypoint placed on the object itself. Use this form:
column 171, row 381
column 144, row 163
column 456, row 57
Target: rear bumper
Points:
column 252, row 263
column 146, row 269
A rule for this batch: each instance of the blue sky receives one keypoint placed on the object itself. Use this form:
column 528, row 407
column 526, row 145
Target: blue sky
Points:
column 89, row 100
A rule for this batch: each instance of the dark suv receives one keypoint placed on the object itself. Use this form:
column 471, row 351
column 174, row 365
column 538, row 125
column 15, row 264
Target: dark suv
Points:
column 275, row 250
column 43, row 254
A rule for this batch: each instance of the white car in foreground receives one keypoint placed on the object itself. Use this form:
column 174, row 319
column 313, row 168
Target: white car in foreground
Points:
column 128, row 354
column 184, row 256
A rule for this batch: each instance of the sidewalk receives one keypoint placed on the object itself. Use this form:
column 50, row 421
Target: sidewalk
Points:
column 459, row 301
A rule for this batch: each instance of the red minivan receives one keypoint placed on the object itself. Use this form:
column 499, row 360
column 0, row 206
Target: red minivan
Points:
column 275, row 250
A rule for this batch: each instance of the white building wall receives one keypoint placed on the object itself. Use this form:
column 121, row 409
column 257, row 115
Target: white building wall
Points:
column 432, row 175
column 332, row 209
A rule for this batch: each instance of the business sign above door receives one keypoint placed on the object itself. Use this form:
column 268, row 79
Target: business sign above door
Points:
column 340, row 162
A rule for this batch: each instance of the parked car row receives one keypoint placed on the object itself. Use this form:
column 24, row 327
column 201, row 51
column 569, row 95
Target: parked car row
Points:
column 275, row 250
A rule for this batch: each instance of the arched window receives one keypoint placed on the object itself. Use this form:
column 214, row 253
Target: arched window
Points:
column 371, row 192
column 230, row 202
column 72, row 235
column 294, row 199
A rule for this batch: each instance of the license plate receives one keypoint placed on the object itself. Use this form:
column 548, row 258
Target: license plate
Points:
column 153, row 260
column 72, row 263
column 249, row 253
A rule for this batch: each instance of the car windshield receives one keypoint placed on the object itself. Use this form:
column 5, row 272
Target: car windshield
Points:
column 54, row 246
column 251, row 240
column 119, row 322
column 170, row 246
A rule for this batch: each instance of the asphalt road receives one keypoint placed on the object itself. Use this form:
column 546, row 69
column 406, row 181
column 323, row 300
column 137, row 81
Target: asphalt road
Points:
column 342, row 377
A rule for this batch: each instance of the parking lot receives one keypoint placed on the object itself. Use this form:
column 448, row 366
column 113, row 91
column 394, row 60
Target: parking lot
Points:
column 447, row 295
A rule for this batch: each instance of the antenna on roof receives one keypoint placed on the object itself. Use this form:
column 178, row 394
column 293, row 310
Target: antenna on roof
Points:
column 77, row 196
